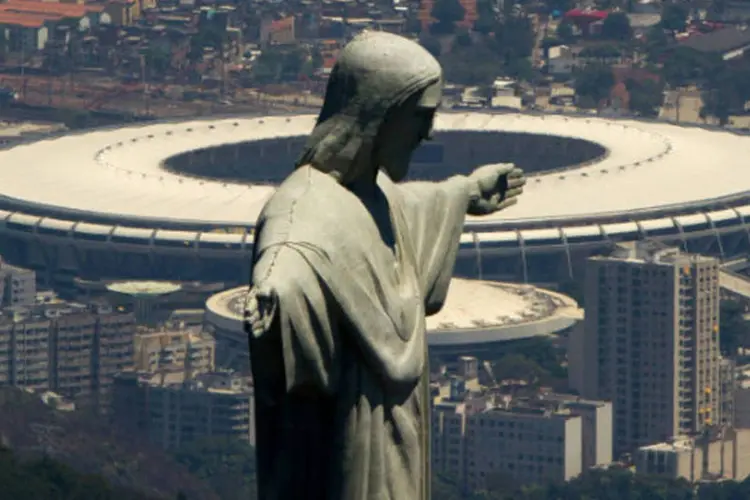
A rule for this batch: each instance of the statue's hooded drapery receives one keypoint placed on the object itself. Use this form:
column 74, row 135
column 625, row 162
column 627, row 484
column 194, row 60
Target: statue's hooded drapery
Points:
column 341, row 376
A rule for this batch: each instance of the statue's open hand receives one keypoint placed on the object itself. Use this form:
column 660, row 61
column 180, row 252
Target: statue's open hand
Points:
column 497, row 188
column 260, row 309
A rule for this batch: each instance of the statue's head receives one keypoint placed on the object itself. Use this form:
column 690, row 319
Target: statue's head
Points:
column 379, row 105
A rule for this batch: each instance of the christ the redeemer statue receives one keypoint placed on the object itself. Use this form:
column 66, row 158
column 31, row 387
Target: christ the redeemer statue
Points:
column 347, row 264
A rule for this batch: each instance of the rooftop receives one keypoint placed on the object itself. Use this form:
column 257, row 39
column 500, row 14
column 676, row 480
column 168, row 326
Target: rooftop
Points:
column 719, row 41
column 48, row 311
column 477, row 304
column 220, row 382
column 650, row 251
column 144, row 288
column 471, row 304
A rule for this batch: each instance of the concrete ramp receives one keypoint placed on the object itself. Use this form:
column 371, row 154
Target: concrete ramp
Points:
column 735, row 283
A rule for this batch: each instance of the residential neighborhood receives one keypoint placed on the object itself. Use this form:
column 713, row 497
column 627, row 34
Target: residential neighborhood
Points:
column 679, row 61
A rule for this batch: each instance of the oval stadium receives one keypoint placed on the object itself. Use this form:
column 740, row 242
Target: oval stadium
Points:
column 177, row 201
column 478, row 319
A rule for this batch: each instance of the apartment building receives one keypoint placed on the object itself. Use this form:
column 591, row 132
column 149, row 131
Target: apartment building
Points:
column 174, row 348
column 71, row 349
column 717, row 454
column 728, row 389
column 174, row 409
column 651, row 342
column 17, row 285
column 486, row 440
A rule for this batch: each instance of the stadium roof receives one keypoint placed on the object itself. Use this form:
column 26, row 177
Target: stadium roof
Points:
column 117, row 172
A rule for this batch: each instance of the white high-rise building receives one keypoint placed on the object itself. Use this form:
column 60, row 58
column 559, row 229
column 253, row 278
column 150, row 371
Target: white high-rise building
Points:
column 650, row 342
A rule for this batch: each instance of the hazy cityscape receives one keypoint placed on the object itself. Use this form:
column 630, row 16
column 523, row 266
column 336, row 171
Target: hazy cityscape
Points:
column 595, row 342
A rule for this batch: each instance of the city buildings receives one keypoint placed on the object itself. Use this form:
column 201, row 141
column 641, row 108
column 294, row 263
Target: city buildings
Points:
column 71, row 349
column 17, row 285
column 174, row 409
column 175, row 395
column 651, row 342
column 714, row 455
column 171, row 349
column 485, row 438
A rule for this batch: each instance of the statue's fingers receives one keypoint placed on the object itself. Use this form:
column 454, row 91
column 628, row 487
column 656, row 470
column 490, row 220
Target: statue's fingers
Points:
column 483, row 207
column 514, row 193
column 509, row 202
column 516, row 183
column 515, row 173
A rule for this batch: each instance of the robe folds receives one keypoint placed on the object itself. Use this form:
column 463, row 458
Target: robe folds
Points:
column 341, row 377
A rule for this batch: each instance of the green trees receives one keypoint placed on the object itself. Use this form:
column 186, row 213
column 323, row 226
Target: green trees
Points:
column 735, row 330
column 674, row 16
column 615, row 483
column 486, row 17
column 280, row 64
column 432, row 44
column 447, row 13
column 228, row 466
column 646, row 97
column 617, row 27
column 565, row 32
column 46, row 479
column 593, row 84
column 683, row 66
column 726, row 91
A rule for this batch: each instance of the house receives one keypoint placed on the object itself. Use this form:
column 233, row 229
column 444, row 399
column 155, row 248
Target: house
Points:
column 24, row 32
column 729, row 43
column 87, row 15
column 278, row 31
column 587, row 21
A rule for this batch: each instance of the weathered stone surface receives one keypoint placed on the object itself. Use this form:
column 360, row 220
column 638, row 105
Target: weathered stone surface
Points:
column 346, row 265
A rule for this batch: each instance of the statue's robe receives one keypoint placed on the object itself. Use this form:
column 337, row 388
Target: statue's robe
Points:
column 341, row 377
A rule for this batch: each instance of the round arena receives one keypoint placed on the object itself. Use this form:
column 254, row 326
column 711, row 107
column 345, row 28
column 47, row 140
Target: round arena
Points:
column 178, row 201
column 477, row 319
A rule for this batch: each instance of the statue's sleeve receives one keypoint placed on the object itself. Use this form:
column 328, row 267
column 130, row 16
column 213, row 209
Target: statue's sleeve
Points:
column 295, row 376
column 302, row 334
column 435, row 214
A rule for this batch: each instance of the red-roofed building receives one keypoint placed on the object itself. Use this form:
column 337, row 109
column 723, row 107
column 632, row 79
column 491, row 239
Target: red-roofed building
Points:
column 26, row 24
column 25, row 32
column 87, row 15
column 586, row 20
column 67, row 10
column 278, row 31
column 13, row 19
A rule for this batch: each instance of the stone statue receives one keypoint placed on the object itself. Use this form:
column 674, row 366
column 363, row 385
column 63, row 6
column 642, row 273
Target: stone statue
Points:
column 346, row 265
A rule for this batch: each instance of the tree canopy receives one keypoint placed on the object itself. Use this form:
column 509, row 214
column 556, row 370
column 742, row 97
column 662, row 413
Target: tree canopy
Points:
column 646, row 97
column 227, row 465
column 283, row 64
column 674, row 16
column 593, row 84
column 45, row 479
column 614, row 483
column 447, row 13
column 734, row 329
column 616, row 26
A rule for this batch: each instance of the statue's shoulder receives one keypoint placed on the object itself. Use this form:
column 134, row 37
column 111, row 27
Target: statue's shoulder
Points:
column 305, row 188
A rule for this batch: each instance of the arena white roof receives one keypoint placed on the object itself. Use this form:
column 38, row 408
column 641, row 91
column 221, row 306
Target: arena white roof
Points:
column 475, row 311
column 117, row 171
